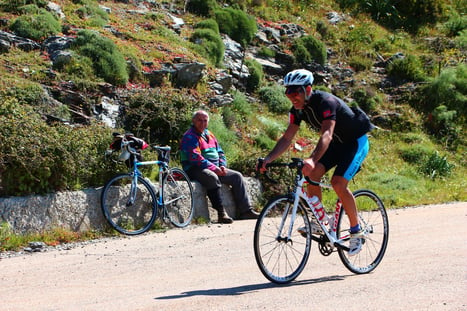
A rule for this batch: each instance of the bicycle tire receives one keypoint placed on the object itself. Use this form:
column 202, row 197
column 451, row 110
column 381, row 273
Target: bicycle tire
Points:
column 374, row 221
column 177, row 195
column 279, row 260
column 130, row 218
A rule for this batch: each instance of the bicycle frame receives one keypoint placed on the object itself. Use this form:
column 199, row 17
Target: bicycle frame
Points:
column 330, row 231
column 299, row 193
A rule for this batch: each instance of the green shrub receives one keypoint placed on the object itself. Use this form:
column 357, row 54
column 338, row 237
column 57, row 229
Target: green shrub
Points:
column 448, row 89
column 256, row 74
column 275, row 98
column 240, row 26
column 367, row 99
column 408, row 68
column 160, row 115
column 416, row 13
column 360, row 63
column 36, row 158
column 17, row 5
column 210, row 44
column 436, row 166
column 202, row 7
column 241, row 105
column 36, row 26
column 307, row 49
column 208, row 24
column 108, row 62
column 266, row 52
column 91, row 11
column 444, row 124
column 414, row 154
column 455, row 25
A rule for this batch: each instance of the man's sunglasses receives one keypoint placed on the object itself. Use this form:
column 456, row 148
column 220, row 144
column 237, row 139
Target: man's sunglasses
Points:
column 294, row 89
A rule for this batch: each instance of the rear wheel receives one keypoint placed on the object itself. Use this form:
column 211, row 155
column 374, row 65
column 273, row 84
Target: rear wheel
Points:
column 177, row 193
column 281, row 252
column 374, row 221
column 129, row 204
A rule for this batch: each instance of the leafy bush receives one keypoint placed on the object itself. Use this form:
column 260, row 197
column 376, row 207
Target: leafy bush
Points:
column 414, row 154
column 36, row 158
column 436, row 166
column 208, row 24
column 275, row 98
column 160, row 115
column 36, row 26
column 408, row 68
column 108, row 62
column 448, row 89
column 367, row 99
column 17, row 5
column 455, row 25
column 202, row 7
column 444, row 125
column 256, row 74
column 360, row 63
column 210, row 44
column 416, row 13
column 240, row 26
column 307, row 49
column 241, row 105
column 92, row 12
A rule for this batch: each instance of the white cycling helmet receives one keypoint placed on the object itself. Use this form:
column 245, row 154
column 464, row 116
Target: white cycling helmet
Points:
column 301, row 77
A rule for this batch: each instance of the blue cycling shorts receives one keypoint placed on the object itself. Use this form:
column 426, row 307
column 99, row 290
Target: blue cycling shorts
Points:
column 346, row 157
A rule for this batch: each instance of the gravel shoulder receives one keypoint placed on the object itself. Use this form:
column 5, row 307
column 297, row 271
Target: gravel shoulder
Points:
column 213, row 267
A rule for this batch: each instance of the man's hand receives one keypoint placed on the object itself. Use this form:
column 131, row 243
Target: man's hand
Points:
column 261, row 165
column 221, row 171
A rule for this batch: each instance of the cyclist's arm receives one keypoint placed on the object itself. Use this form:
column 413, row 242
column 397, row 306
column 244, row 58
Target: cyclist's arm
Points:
column 283, row 143
column 327, row 130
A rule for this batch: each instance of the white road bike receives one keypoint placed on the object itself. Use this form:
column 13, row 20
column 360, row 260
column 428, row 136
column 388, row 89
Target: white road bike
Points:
column 288, row 223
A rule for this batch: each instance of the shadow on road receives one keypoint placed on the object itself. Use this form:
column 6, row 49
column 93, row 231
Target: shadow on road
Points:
column 240, row 290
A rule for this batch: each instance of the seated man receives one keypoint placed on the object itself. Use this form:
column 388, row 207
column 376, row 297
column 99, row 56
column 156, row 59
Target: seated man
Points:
column 204, row 160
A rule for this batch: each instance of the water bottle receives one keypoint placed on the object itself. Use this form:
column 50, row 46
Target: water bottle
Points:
column 316, row 204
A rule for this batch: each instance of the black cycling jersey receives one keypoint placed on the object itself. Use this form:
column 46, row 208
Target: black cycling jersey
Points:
column 351, row 122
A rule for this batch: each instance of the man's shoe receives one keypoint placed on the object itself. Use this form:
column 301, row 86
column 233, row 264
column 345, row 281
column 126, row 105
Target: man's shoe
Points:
column 223, row 218
column 355, row 243
column 250, row 214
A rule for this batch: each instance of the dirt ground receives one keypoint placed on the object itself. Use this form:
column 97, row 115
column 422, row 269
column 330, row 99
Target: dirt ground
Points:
column 212, row 267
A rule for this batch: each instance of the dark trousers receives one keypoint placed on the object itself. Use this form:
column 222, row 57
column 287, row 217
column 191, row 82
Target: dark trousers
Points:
column 234, row 179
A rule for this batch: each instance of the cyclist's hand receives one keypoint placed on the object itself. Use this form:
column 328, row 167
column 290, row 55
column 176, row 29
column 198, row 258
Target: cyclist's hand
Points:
column 261, row 165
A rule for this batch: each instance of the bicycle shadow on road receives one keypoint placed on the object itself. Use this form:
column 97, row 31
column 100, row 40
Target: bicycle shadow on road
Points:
column 240, row 290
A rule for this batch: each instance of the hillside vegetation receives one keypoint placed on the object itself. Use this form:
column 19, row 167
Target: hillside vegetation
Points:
column 403, row 63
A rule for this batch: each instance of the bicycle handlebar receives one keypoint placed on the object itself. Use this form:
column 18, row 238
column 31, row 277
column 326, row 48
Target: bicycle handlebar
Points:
column 296, row 163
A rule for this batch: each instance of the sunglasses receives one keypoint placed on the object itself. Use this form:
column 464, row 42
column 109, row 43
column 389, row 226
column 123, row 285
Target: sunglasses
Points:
column 294, row 89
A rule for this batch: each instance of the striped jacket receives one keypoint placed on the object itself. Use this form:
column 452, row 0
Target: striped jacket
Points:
column 202, row 152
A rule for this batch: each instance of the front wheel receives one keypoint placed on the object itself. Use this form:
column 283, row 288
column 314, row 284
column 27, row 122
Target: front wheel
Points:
column 373, row 219
column 177, row 195
column 129, row 204
column 281, row 252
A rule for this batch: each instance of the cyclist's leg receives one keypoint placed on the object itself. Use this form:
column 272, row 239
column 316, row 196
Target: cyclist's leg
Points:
column 352, row 156
column 316, row 174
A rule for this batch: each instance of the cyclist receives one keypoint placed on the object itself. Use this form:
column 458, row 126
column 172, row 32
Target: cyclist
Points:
column 343, row 142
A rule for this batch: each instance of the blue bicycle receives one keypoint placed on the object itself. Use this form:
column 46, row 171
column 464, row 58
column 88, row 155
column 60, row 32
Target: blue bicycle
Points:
column 131, row 203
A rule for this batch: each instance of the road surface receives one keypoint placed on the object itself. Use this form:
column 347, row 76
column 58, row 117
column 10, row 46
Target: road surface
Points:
column 212, row 267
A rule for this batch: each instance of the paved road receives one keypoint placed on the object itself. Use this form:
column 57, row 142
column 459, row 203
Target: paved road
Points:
column 213, row 268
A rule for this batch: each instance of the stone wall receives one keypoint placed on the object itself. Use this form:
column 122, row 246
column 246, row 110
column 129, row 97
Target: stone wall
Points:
column 81, row 211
